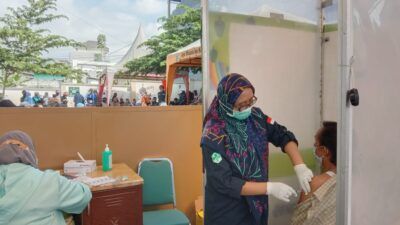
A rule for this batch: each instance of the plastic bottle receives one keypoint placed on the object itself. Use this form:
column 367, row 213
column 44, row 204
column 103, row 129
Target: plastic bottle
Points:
column 107, row 159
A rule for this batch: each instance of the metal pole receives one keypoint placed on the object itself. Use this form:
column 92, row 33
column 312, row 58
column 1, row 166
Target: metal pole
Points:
column 169, row 8
column 322, row 59
column 344, row 167
column 205, row 70
column 205, row 55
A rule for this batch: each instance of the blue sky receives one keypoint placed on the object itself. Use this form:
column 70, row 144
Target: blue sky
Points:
column 117, row 19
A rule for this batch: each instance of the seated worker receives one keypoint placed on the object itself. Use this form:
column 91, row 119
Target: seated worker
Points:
column 319, row 206
column 29, row 195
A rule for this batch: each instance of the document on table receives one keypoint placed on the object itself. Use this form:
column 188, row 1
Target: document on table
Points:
column 97, row 181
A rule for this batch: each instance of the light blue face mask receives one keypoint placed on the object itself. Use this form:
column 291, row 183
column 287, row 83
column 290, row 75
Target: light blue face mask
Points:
column 241, row 115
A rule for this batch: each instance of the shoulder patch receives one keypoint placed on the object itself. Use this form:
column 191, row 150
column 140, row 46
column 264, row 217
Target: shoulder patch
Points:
column 270, row 120
column 216, row 157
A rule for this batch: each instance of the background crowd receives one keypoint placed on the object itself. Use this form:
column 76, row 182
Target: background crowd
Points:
column 91, row 99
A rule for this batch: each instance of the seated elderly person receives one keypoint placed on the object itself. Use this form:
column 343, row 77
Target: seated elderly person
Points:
column 29, row 195
column 319, row 206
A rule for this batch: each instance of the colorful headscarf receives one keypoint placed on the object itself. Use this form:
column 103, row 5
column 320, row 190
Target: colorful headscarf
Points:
column 12, row 153
column 244, row 142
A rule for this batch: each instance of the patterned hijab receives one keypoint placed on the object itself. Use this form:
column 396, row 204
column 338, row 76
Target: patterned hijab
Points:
column 243, row 142
column 14, row 153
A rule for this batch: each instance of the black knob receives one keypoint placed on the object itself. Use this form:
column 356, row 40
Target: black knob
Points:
column 353, row 97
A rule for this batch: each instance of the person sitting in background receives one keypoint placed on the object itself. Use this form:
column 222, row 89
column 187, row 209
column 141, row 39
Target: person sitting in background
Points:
column 134, row 102
column 64, row 99
column 23, row 97
column 182, row 98
column 27, row 101
column 148, row 99
column 29, row 195
column 104, row 102
column 7, row 103
column 175, row 102
column 54, row 102
column 39, row 104
column 36, row 98
column 191, row 97
column 89, row 97
column 154, row 102
column 46, row 99
column 58, row 95
column 95, row 96
column 114, row 100
column 196, row 99
column 78, row 98
column 121, row 102
column 128, row 102
column 319, row 206
column 161, row 94
column 145, row 100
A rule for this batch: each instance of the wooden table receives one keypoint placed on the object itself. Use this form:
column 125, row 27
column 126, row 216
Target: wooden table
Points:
column 119, row 203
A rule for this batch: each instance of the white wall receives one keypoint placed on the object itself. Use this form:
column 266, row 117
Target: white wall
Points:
column 284, row 67
column 331, row 77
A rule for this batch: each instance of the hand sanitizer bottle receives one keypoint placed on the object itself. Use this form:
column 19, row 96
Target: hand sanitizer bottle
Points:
column 107, row 159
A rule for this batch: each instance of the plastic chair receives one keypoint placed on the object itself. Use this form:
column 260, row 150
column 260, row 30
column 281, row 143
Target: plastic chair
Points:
column 159, row 189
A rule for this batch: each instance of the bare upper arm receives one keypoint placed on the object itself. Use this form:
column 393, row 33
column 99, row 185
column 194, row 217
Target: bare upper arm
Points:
column 315, row 183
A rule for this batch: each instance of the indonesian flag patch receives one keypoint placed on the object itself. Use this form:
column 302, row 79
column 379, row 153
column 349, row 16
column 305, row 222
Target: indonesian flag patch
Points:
column 270, row 120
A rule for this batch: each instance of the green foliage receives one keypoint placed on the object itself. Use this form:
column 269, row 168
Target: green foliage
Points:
column 179, row 31
column 101, row 44
column 23, row 41
column 12, row 81
column 98, row 57
column 101, row 41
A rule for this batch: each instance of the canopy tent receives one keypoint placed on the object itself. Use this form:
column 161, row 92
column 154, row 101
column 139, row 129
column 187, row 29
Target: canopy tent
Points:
column 189, row 56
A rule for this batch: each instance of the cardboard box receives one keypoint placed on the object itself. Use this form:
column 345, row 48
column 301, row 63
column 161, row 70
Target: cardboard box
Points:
column 199, row 206
column 79, row 166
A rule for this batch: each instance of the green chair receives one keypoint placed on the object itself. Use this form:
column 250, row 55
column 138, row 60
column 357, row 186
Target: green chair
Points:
column 158, row 189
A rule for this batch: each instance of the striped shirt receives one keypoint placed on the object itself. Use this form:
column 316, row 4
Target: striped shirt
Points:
column 320, row 208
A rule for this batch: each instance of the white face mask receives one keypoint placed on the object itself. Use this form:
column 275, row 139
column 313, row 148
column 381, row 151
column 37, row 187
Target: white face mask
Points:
column 317, row 158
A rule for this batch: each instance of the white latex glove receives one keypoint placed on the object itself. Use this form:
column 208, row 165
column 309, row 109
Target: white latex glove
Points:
column 304, row 174
column 280, row 191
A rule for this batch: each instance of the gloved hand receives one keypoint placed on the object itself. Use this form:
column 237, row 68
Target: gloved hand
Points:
column 280, row 191
column 304, row 174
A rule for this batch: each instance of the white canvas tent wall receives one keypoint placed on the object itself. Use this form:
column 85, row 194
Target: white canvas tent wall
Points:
column 134, row 50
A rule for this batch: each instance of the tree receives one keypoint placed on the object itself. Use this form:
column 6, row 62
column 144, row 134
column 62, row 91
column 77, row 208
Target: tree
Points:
column 179, row 31
column 101, row 44
column 23, row 41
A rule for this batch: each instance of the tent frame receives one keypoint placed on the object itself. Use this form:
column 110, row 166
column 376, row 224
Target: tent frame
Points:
column 189, row 56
